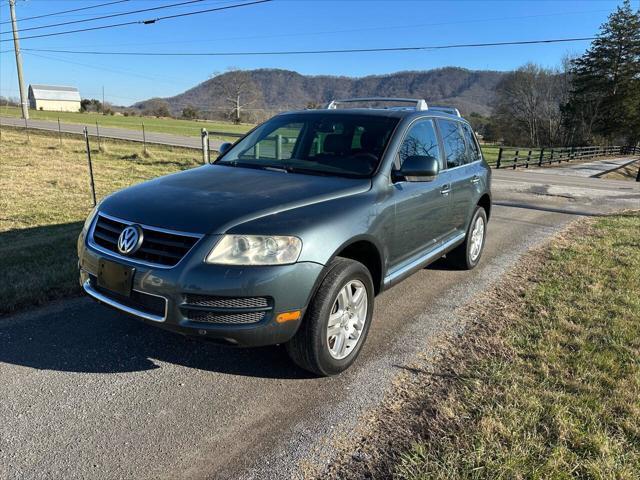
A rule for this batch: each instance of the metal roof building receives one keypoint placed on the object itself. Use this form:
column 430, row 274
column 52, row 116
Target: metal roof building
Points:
column 54, row 98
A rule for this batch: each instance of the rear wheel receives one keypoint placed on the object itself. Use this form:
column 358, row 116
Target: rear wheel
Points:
column 337, row 321
column 467, row 255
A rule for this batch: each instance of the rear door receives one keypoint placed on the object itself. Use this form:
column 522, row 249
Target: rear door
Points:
column 421, row 207
column 461, row 174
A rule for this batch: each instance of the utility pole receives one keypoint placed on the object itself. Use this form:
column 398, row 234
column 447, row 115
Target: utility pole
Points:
column 103, row 100
column 16, row 45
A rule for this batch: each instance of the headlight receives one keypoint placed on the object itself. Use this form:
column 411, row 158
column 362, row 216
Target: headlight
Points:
column 93, row 213
column 255, row 250
column 90, row 217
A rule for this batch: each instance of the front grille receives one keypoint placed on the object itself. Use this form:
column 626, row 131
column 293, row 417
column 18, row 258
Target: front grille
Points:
column 159, row 248
column 138, row 300
column 225, row 318
column 226, row 302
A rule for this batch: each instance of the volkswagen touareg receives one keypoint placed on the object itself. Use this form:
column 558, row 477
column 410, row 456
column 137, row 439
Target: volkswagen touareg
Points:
column 290, row 234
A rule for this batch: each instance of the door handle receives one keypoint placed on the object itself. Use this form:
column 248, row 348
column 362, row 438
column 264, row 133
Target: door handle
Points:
column 445, row 189
column 475, row 179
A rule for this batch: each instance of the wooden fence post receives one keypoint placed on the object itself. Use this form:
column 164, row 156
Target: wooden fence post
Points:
column 93, row 188
column 59, row 132
column 144, row 140
column 98, row 135
column 499, row 158
column 205, row 145
column 541, row 157
column 515, row 159
column 278, row 147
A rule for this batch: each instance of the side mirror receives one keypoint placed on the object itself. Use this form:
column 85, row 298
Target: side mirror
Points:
column 420, row 168
column 224, row 148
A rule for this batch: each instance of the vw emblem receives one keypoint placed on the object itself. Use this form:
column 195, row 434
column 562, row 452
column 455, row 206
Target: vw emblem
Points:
column 130, row 240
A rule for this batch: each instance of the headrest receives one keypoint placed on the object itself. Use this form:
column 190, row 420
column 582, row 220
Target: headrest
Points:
column 336, row 143
column 371, row 141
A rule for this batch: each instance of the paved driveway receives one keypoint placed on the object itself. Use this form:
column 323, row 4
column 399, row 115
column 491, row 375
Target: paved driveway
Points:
column 117, row 133
column 90, row 393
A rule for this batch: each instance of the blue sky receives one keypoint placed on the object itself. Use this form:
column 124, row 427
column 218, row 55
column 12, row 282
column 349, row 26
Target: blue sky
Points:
column 286, row 25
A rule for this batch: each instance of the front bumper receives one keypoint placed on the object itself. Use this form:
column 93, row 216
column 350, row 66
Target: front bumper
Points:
column 170, row 290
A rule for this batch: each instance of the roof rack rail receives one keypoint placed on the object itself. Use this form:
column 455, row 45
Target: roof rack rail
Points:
column 450, row 110
column 419, row 103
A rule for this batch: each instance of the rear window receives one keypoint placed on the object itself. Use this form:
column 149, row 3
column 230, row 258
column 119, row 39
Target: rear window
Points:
column 473, row 151
column 455, row 148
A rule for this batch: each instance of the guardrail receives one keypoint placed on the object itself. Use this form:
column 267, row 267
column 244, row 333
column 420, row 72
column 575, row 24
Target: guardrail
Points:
column 514, row 157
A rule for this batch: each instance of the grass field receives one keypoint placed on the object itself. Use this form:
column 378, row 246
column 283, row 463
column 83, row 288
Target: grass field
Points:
column 628, row 172
column 551, row 388
column 151, row 124
column 490, row 153
column 46, row 197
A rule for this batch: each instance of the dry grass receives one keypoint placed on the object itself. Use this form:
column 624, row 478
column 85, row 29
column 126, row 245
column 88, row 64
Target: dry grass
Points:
column 544, row 383
column 628, row 172
column 46, row 197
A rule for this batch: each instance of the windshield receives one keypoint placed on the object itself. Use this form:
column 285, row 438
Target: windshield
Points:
column 337, row 144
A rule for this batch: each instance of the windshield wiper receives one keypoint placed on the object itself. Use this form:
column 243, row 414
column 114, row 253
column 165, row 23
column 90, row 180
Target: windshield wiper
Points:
column 256, row 166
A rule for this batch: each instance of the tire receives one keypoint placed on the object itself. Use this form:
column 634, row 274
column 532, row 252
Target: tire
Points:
column 464, row 256
column 313, row 348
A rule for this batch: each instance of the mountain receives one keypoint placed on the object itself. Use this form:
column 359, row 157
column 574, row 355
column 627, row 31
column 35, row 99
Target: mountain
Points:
column 274, row 89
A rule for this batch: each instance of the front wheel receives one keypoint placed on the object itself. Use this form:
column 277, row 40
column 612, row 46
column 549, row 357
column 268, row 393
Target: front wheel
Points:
column 337, row 321
column 467, row 255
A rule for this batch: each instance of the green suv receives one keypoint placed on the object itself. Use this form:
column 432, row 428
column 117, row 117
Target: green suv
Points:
column 291, row 233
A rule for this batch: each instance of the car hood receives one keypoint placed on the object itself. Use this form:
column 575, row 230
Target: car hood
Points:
column 215, row 198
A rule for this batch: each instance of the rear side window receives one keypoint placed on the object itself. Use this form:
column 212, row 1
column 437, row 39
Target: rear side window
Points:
column 455, row 149
column 420, row 140
column 473, row 152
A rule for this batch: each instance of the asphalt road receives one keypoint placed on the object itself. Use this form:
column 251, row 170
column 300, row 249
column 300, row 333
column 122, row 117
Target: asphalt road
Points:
column 117, row 133
column 90, row 393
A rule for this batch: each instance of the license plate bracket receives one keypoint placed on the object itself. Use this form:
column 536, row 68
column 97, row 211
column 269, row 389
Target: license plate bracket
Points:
column 115, row 277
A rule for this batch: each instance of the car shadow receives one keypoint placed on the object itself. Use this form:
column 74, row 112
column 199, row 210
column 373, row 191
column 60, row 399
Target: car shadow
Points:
column 83, row 336
column 442, row 264
column 90, row 338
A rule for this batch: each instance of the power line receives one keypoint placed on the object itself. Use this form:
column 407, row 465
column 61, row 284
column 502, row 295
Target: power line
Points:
column 351, row 30
column 68, row 11
column 144, row 22
column 315, row 52
column 111, row 15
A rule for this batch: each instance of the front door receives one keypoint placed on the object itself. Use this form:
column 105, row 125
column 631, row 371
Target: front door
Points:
column 422, row 208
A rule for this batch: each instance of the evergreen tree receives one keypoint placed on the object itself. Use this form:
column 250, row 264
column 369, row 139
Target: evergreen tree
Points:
column 605, row 98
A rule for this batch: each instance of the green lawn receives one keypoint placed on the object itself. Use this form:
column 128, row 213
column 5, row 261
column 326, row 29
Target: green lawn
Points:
column 549, row 387
column 490, row 153
column 46, row 197
column 151, row 124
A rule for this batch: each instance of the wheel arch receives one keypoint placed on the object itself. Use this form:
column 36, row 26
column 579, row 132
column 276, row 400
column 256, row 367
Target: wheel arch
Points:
column 367, row 251
column 485, row 202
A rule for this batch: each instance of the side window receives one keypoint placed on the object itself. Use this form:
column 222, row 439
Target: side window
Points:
column 473, row 151
column 422, row 140
column 454, row 144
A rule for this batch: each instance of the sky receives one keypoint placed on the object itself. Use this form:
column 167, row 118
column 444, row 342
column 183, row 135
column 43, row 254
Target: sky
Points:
column 284, row 25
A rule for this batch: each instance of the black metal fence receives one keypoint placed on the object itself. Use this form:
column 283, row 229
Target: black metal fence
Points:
column 514, row 157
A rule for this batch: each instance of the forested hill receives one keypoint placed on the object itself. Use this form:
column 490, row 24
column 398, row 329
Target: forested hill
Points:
column 468, row 90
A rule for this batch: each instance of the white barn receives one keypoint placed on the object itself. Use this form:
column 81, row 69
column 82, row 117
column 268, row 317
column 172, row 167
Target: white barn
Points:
column 54, row 98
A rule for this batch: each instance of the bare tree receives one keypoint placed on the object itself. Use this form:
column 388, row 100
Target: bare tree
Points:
column 528, row 105
column 239, row 92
